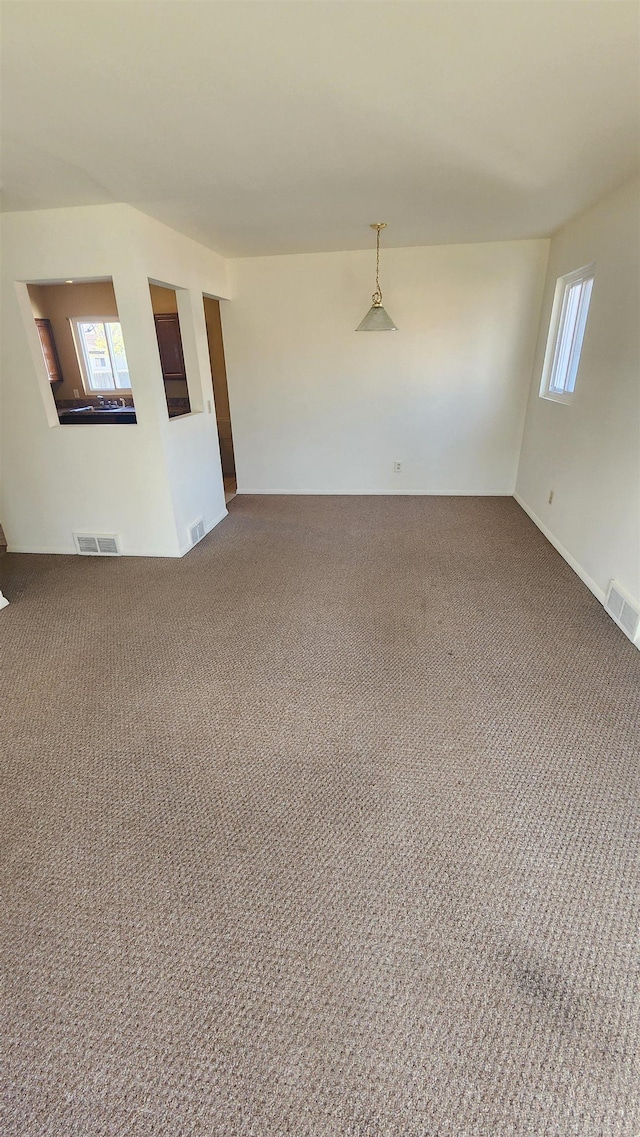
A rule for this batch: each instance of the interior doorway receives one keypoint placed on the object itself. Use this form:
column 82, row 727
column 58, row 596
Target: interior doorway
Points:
column 221, row 394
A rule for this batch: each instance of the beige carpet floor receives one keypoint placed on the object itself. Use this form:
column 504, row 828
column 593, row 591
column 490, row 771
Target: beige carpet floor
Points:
column 329, row 828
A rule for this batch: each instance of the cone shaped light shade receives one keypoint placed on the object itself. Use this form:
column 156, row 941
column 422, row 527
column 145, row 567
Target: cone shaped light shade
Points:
column 377, row 320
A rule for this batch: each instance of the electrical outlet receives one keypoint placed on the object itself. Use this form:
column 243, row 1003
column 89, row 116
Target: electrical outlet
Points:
column 76, row 394
column 397, row 467
column 550, row 496
column 209, row 407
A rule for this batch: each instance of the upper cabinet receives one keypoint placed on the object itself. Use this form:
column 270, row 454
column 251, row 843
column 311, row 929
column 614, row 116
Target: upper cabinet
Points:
column 49, row 350
column 170, row 346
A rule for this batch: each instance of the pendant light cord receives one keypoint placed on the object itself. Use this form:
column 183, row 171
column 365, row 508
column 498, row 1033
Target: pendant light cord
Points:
column 377, row 296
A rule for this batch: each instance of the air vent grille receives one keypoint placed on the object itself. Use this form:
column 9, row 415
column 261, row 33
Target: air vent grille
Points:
column 196, row 532
column 622, row 608
column 97, row 544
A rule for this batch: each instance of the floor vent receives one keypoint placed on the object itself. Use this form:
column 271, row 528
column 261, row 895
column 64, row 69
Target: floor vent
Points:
column 97, row 545
column 621, row 607
column 196, row 532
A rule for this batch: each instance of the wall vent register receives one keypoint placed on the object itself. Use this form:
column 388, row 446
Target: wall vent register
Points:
column 196, row 532
column 96, row 545
column 622, row 609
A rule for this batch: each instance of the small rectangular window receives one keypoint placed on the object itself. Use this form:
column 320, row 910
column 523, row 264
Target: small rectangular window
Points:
column 566, row 333
column 101, row 354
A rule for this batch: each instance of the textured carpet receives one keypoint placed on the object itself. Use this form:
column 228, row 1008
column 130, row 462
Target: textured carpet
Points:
column 329, row 828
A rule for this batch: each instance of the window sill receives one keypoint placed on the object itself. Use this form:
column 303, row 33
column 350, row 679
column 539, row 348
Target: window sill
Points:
column 566, row 399
column 185, row 414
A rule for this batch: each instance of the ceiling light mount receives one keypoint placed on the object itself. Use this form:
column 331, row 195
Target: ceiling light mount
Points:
column 376, row 319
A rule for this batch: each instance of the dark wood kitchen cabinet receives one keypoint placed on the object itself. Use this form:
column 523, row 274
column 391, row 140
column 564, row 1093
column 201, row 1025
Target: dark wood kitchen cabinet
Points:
column 49, row 350
column 170, row 346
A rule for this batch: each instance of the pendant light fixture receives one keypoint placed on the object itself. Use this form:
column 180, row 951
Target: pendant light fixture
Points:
column 376, row 319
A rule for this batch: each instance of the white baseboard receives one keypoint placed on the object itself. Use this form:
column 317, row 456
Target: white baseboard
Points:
column 598, row 592
column 38, row 550
column 59, row 550
column 242, row 490
column 217, row 520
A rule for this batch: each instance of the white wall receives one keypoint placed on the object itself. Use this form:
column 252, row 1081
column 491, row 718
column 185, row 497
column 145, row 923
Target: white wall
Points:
column 162, row 475
column 319, row 408
column 588, row 452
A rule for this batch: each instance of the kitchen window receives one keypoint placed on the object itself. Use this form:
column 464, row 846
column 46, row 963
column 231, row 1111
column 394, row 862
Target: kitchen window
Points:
column 101, row 355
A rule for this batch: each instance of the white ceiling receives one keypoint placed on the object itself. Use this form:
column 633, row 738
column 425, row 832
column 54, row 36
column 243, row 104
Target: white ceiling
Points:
column 260, row 127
